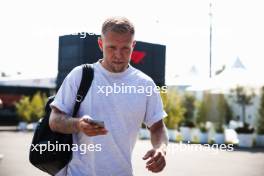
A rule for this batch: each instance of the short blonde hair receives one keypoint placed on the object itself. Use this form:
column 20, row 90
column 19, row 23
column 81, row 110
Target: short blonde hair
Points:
column 119, row 25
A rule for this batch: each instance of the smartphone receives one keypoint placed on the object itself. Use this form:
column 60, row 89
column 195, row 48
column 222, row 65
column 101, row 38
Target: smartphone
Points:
column 95, row 122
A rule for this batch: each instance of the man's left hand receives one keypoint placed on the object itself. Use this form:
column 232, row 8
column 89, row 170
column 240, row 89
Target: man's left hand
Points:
column 157, row 160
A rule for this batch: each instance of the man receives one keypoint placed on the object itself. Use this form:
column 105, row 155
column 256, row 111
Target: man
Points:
column 122, row 113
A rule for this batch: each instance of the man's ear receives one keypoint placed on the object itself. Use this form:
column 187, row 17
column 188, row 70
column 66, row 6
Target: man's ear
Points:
column 134, row 44
column 100, row 43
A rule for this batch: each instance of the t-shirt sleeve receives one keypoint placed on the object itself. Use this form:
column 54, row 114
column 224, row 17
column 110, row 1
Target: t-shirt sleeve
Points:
column 66, row 95
column 154, row 109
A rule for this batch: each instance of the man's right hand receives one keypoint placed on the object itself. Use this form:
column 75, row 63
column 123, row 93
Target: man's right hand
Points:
column 90, row 129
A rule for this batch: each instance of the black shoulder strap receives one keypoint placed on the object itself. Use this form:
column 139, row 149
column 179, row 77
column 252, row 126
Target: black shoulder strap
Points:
column 87, row 78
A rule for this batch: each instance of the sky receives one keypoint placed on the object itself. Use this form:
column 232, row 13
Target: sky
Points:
column 30, row 29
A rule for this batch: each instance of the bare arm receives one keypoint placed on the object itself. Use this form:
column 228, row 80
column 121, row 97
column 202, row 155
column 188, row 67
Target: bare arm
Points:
column 159, row 138
column 159, row 141
column 62, row 123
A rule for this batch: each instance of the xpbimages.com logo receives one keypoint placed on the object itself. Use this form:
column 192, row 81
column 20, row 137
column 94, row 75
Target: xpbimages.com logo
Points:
column 175, row 148
column 129, row 89
column 50, row 147
column 83, row 34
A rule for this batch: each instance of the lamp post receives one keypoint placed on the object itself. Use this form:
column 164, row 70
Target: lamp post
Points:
column 210, row 40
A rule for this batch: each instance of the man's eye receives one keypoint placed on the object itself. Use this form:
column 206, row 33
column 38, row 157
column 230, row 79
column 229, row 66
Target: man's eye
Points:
column 126, row 49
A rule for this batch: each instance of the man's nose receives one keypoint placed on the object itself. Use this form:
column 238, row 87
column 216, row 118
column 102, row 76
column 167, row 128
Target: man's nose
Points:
column 118, row 53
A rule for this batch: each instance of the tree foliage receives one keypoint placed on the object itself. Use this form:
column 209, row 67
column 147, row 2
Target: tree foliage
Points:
column 204, row 107
column 224, row 110
column 173, row 106
column 23, row 109
column 260, row 124
column 31, row 109
column 189, row 105
column 243, row 97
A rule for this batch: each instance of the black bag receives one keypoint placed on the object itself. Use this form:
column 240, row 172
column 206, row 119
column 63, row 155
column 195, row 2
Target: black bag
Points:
column 52, row 161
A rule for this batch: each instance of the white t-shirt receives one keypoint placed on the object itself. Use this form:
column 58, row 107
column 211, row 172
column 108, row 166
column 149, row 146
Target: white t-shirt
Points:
column 121, row 112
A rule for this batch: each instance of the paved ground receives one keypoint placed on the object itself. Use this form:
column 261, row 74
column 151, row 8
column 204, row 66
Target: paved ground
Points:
column 180, row 162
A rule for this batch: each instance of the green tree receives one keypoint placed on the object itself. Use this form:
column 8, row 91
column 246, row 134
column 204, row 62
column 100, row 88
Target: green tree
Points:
column 204, row 107
column 174, row 108
column 224, row 110
column 37, row 105
column 31, row 109
column 224, row 114
column 260, row 124
column 189, row 105
column 242, row 97
column 23, row 108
